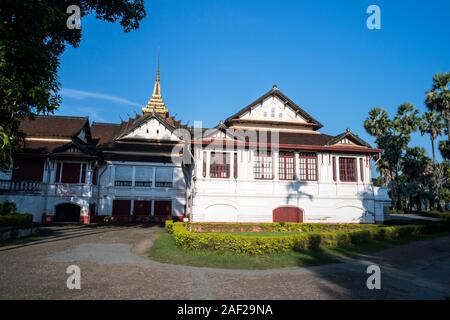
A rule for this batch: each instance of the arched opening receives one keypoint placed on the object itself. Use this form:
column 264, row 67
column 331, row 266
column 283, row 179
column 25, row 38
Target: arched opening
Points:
column 287, row 214
column 67, row 212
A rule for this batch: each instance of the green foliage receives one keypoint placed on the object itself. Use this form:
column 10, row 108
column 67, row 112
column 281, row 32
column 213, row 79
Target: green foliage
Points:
column 437, row 214
column 444, row 149
column 274, row 227
column 393, row 136
column 433, row 125
column 438, row 98
column 33, row 35
column 8, row 208
column 169, row 226
column 15, row 219
column 299, row 241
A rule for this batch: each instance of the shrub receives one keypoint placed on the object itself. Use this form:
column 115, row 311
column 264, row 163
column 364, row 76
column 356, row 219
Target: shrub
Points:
column 169, row 226
column 8, row 208
column 277, row 227
column 316, row 240
column 16, row 219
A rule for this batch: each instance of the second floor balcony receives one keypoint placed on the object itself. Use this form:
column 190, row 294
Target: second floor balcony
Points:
column 22, row 186
column 41, row 188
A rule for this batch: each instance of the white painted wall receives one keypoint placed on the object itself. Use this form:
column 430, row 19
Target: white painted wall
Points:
column 152, row 129
column 248, row 200
column 272, row 108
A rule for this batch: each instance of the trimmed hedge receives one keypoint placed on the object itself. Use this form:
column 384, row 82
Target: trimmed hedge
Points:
column 277, row 227
column 16, row 219
column 436, row 214
column 257, row 245
column 169, row 226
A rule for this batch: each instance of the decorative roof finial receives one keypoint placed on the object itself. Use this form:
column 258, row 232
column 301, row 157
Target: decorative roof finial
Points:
column 156, row 103
column 158, row 76
column 274, row 87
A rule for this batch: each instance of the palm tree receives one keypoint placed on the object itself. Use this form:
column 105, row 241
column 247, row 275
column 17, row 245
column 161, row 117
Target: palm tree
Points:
column 432, row 124
column 438, row 98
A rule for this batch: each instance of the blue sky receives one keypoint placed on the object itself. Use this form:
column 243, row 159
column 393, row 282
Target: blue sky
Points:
column 219, row 55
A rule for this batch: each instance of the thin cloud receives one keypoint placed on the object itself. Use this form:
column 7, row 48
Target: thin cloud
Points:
column 81, row 95
column 92, row 114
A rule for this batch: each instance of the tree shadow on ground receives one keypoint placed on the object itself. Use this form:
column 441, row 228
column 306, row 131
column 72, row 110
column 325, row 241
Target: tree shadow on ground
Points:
column 60, row 232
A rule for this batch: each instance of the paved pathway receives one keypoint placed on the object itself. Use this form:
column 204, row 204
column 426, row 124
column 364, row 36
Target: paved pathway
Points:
column 112, row 268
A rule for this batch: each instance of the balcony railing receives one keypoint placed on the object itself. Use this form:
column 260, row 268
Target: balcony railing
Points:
column 21, row 186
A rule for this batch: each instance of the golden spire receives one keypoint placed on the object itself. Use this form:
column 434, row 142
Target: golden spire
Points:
column 156, row 103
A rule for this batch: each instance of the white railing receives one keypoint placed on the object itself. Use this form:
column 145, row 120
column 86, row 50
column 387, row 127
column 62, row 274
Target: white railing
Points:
column 69, row 189
column 21, row 186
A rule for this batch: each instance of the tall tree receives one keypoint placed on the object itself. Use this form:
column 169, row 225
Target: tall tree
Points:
column 433, row 125
column 33, row 35
column 438, row 98
column 393, row 136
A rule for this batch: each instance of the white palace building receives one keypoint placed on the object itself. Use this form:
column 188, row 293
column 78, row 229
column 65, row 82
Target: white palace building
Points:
column 267, row 163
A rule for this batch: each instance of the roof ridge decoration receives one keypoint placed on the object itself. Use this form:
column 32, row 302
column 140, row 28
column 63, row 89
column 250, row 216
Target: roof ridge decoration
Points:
column 275, row 91
column 144, row 119
column 156, row 103
column 348, row 134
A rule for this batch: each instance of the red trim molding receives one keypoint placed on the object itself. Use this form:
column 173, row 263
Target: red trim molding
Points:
column 47, row 218
column 85, row 219
column 216, row 142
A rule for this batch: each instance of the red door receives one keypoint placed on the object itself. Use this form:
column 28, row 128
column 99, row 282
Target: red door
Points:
column 142, row 208
column 288, row 214
column 121, row 209
column 163, row 209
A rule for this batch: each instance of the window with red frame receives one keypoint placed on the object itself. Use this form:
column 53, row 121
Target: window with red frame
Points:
column 219, row 165
column 70, row 172
column 204, row 164
column 235, row 165
column 308, row 166
column 263, row 167
column 347, row 169
column 334, row 169
column 286, row 165
column 361, row 168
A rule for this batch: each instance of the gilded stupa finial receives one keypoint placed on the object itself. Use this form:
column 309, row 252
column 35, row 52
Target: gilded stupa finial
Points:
column 156, row 103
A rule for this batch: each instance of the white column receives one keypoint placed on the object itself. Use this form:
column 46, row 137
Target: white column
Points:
column 231, row 165
column 275, row 159
column 208, row 158
column 297, row 166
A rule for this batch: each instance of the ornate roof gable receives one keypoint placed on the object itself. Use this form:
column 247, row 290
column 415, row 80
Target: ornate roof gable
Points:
column 274, row 107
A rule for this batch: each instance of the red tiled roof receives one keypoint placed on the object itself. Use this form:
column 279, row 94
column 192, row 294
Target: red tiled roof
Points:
column 104, row 132
column 53, row 126
column 42, row 147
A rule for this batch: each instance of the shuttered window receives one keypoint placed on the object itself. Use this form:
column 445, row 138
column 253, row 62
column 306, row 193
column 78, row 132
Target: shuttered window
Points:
column 124, row 176
column 143, row 176
column 164, row 177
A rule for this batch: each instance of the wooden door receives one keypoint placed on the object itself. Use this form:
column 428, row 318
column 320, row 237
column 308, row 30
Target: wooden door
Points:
column 288, row 214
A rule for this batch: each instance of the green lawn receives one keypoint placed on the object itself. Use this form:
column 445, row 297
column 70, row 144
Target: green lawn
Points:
column 164, row 250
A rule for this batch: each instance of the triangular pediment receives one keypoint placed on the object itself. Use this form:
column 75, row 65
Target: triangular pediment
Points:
column 274, row 107
column 348, row 139
column 74, row 148
column 151, row 127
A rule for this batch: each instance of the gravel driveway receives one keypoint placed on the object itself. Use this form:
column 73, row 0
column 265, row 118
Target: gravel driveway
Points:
column 113, row 267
